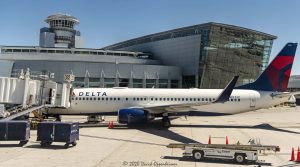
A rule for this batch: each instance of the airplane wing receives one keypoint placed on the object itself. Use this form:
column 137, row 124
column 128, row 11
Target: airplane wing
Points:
column 222, row 98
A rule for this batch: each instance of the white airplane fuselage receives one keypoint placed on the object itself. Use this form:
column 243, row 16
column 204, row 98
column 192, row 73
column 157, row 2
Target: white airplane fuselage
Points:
column 104, row 100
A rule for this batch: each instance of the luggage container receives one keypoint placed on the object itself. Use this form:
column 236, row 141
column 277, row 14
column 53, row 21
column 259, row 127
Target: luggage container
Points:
column 15, row 131
column 48, row 132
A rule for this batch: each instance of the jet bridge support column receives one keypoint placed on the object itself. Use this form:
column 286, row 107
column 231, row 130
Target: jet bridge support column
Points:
column 26, row 85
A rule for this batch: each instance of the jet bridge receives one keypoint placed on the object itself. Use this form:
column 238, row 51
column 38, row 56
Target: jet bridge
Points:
column 21, row 95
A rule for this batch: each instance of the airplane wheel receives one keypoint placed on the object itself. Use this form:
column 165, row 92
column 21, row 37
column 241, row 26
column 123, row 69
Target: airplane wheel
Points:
column 166, row 122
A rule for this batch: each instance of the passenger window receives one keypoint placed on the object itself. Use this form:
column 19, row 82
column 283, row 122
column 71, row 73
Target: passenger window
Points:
column 234, row 99
column 206, row 99
column 186, row 99
column 209, row 99
column 182, row 99
column 103, row 98
column 126, row 98
column 168, row 99
column 198, row 99
column 75, row 98
column 194, row 99
column 202, row 99
column 134, row 98
column 171, row 99
column 160, row 99
column 107, row 98
column 83, row 98
column 164, row 99
column 79, row 98
column 239, row 99
column 155, row 99
column 145, row 99
column 118, row 98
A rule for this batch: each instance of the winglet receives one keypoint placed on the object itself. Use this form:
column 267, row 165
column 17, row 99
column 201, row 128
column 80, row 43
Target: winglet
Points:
column 224, row 96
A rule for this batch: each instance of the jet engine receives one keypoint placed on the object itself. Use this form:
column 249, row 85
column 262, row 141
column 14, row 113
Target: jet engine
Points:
column 132, row 116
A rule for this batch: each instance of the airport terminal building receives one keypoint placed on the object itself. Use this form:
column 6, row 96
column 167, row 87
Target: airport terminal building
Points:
column 209, row 54
column 202, row 56
column 60, row 52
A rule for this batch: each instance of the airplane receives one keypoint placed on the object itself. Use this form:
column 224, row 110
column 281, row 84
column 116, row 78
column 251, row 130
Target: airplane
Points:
column 141, row 105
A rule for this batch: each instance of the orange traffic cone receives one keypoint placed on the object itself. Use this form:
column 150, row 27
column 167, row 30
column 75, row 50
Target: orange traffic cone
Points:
column 298, row 155
column 209, row 140
column 293, row 155
column 226, row 140
column 112, row 124
column 109, row 125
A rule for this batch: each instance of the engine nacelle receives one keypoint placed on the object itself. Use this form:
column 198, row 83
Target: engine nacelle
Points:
column 132, row 116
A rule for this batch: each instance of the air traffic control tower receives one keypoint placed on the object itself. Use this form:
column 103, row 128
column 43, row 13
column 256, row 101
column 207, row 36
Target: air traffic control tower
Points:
column 61, row 32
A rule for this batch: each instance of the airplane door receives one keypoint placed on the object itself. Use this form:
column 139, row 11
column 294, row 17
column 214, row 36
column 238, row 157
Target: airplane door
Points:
column 252, row 100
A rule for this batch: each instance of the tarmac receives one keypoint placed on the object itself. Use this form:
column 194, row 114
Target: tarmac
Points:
column 146, row 145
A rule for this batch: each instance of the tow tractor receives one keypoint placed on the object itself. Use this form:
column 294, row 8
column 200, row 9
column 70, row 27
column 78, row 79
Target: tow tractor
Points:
column 239, row 153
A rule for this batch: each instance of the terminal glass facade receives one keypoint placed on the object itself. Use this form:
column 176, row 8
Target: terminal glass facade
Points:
column 227, row 52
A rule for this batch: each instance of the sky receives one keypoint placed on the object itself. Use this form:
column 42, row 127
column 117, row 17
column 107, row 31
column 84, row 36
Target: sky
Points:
column 105, row 22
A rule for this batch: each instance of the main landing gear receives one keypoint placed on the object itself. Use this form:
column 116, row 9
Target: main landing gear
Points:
column 166, row 123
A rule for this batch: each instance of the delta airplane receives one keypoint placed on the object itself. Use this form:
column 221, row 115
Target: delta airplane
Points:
column 138, row 105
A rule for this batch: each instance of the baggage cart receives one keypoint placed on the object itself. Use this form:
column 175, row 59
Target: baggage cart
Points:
column 67, row 132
